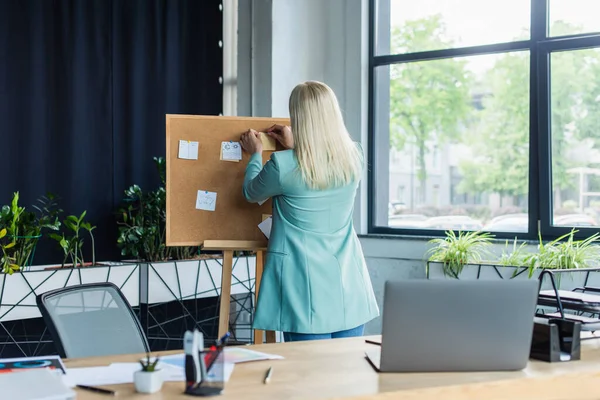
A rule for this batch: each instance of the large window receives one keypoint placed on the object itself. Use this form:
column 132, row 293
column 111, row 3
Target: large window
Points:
column 485, row 115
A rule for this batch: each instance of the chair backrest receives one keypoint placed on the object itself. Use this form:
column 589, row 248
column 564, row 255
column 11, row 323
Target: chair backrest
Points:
column 91, row 320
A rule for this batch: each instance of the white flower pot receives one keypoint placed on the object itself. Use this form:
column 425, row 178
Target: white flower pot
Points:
column 147, row 382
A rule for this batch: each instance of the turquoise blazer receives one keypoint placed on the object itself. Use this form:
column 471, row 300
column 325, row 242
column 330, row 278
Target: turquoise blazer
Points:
column 315, row 278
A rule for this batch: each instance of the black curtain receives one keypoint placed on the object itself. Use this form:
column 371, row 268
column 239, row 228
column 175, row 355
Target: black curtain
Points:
column 84, row 89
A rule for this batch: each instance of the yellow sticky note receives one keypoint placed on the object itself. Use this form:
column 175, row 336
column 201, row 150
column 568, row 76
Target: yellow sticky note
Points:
column 268, row 142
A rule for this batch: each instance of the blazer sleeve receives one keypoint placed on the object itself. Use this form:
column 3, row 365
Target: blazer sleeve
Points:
column 261, row 183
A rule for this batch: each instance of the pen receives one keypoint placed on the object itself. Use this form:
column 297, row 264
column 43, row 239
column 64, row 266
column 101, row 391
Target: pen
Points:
column 223, row 339
column 97, row 390
column 268, row 375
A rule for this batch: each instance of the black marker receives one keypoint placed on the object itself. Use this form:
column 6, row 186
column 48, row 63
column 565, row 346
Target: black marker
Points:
column 97, row 390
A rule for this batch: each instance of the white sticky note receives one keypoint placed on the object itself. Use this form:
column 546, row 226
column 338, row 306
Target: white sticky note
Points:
column 193, row 151
column 188, row 150
column 231, row 151
column 184, row 149
column 260, row 203
column 265, row 226
column 206, row 200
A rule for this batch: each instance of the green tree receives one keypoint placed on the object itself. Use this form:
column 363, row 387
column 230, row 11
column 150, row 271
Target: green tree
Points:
column 499, row 140
column 499, row 137
column 428, row 100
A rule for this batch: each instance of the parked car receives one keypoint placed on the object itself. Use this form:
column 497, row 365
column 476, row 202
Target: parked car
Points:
column 575, row 220
column 407, row 221
column 453, row 222
column 508, row 223
column 396, row 207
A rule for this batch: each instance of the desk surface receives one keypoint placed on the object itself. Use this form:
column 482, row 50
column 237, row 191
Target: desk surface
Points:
column 338, row 369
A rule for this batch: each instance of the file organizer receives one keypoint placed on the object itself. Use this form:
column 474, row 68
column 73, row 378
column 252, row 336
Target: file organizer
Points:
column 557, row 336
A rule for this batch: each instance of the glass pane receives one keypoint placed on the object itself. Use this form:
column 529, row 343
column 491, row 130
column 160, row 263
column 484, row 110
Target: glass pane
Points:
column 575, row 127
column 412, row 26
column 570, row 17
column 457, row 136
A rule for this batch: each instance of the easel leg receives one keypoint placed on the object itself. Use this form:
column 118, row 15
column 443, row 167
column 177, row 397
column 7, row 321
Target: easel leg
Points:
column 260, row 260
column 225, row 292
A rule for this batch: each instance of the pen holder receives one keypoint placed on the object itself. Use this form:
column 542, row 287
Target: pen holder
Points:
column 214, row 382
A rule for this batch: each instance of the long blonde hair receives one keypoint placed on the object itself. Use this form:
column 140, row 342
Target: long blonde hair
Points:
column 326, row 154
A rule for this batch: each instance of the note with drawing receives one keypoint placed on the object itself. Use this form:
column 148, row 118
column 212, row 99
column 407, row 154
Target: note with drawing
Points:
column 231, row 151
column 206, row 200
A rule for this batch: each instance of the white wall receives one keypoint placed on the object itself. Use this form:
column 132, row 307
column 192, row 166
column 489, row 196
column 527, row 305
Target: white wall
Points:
column 296, row 40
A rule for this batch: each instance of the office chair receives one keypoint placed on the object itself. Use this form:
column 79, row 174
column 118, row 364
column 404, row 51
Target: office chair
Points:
column 91, row 320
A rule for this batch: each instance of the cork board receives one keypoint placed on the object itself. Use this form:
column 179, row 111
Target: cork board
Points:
column 233, row 217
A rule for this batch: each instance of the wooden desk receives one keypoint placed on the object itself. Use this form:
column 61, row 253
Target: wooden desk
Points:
column 338, row 369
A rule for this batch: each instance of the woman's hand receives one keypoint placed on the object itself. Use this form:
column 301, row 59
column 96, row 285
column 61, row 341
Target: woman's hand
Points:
column 251, row 142
column 283, row 134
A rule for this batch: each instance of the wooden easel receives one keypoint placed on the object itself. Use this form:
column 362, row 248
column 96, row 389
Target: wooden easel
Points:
column 228, row 247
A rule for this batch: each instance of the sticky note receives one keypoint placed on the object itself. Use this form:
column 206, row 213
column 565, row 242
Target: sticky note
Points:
column 268, row 142
column 188, row 150
column 265, row 227
column 193, row 151
column 231, row 151
column 206, row 200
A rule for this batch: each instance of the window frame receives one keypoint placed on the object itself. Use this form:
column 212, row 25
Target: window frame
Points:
column 540, row 46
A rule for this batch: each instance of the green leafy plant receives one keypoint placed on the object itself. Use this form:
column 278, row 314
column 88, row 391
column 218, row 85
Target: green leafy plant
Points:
column 142, row 223
column 148, row 365
column 565, row 252
column 72, row 243
column 7, row 261
column 24, row 228
column 456, row 251
column 514, row 256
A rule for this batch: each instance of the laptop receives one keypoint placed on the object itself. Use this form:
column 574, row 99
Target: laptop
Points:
column 456, row 325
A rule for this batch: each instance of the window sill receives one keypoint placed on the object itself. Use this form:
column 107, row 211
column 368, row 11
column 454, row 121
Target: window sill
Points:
column 424, row 238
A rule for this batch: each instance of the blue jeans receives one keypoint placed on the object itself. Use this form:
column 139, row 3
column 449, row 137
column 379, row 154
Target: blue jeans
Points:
column 296, row 337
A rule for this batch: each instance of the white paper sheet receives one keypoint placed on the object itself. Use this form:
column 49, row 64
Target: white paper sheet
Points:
column 260, row 203
column 188, row 150
column 116, row 374
column 206, row 200
column 99, row 376
column 265, row 226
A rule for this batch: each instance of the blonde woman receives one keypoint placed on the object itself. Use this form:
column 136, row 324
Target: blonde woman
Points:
column 315, row 283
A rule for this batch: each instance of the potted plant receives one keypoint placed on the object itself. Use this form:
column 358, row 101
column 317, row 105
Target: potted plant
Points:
column 454, row 252
column 72, row 242
column 7, row 261
column 563, row 253
column 24, row 229
column 515, row 259
column 149, row 379
column 142, row 224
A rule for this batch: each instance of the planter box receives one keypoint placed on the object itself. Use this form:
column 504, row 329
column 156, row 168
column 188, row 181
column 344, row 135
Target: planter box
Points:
column 169, row 297
column 18, row 291
column 181, row 295
column 182, row 280
column 564, row 280
column 480, row 271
